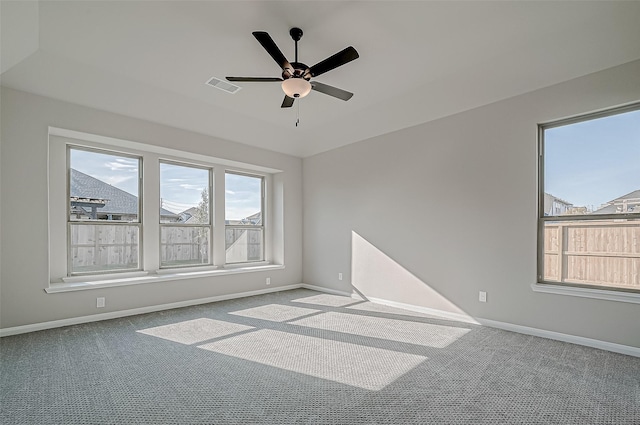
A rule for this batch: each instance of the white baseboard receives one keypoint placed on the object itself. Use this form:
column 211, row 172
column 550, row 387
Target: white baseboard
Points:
column 327, row 290
column 573, row 339
column 132, row 312
column 579, row 340
column 426, row 310
column 588, row 342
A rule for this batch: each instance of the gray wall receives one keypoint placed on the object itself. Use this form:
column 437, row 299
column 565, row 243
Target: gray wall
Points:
column 432, row 214
column 24, row 260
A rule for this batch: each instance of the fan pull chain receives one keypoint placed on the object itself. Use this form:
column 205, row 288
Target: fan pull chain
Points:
column 298, row 113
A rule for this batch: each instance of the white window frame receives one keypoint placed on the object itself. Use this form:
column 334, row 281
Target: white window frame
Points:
column 70, row 223
column 251, row 226
column 151, row 155
column 569, row 288
column 209, row 225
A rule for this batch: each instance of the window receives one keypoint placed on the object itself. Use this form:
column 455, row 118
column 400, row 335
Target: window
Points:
column 103, row 226
column 589, row 201
column 133, row 212
column 185, row 221
column 244, row 228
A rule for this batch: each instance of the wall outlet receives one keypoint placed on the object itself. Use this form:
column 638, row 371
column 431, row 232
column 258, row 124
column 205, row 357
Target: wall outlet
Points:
column 100, row 302
column 268, row 281
column 482, row 297
column 339, row 276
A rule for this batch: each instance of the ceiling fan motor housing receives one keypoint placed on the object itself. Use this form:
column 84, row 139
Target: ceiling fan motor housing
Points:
column 299, row 69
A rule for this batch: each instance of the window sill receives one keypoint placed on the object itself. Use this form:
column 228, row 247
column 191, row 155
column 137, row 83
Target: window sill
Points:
column 165, row 276
column 600, row 294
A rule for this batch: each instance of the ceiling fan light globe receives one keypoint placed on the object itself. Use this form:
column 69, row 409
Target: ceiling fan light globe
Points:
column 296, row 88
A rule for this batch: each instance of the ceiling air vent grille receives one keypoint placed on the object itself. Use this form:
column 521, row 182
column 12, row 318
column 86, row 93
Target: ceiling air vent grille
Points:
column 223, row 85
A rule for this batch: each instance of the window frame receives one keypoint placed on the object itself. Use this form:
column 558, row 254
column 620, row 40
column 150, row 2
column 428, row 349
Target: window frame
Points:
column 249, row 226
column 542, row 219
column 210, row 189
column 58, row 139
column 138, row 223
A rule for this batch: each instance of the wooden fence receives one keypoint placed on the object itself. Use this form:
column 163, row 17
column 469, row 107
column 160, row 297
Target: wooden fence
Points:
column 115, row 247
column 603, row 252
column 103, row 247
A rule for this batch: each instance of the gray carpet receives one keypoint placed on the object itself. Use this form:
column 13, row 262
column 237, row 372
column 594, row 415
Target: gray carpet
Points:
column 301, row 357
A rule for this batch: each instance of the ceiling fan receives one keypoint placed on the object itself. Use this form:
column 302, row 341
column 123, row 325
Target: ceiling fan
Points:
column 296, row 76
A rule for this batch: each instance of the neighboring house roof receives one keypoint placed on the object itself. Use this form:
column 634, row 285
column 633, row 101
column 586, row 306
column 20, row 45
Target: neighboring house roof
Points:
column 118, row 201
column 254, row 219
column 632, row 199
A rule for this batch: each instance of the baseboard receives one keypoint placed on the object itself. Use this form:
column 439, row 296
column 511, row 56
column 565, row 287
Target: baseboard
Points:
column 588, row 342
column 327, row 290
column 573, row 339
column 579, row 340
column 132, row 312
column 426, row 310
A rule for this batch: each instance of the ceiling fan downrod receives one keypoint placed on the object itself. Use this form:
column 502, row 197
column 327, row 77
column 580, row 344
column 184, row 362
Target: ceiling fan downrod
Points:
column 296, row 34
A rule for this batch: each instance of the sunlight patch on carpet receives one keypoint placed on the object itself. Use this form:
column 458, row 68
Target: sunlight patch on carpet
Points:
column 275, row 312
column 351, row 364
column 418, row 333
column 327, row 300
column 194, row 331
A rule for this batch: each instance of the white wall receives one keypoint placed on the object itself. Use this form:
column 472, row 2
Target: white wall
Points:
column 24, row 270
column 432, row 214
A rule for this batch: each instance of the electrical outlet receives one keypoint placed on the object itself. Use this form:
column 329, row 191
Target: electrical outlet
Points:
column 482, row 297
column 339, row 276
column 100, row 302
column 268, row 281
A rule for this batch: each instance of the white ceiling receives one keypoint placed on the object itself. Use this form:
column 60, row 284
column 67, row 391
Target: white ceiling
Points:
column 418, row 60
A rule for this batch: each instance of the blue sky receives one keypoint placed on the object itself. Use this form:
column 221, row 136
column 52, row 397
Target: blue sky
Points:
column 180, row 187
column 593, row 162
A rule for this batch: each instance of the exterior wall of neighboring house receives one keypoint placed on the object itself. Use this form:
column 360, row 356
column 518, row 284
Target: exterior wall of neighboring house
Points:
column 624, row 204
column 555, row 206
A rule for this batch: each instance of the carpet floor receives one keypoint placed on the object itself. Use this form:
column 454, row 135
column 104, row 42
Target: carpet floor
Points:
column 303, row 357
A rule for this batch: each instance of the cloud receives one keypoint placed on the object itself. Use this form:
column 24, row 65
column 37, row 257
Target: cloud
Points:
column 229, row 192
column 115, row 180
column 188, row 186
column 122, row 165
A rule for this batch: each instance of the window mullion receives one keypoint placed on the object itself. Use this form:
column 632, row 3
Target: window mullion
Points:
column 151, row 212
column 219, row 253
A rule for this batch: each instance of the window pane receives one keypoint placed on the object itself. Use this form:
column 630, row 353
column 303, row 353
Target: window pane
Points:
column 243, row 200
column 184, row 245
column 593, row 167
column 243, row 245
column 103, row 186
column 184, row 194
column 593, row 252
column 103, row 247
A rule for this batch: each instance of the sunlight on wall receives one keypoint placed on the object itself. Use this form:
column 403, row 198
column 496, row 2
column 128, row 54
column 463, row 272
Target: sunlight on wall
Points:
column 194, row 331
column 351, row 364
column 376, row 275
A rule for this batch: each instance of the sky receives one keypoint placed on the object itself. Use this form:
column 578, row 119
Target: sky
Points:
column 180, row 187
column 593, row 162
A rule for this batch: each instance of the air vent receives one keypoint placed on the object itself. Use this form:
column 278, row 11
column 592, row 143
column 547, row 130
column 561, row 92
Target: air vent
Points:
column 223, row 85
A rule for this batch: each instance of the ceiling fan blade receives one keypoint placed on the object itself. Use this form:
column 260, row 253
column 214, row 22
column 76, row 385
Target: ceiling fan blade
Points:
column 253, row 79
column 287, row 102
column 270, row 46
column 331, row 91
column 332, row 62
